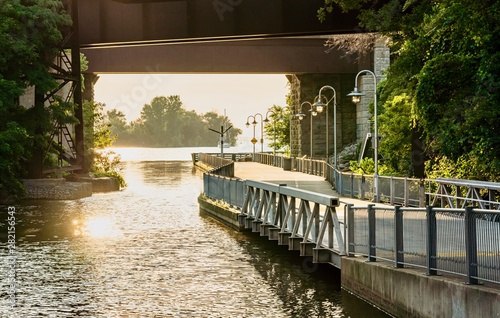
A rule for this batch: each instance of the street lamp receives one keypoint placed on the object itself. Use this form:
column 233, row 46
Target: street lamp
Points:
column 320, row 105
column 301, row 116
column 261, row 130
column 356, row 98
column 274, row 130
column 253, row 139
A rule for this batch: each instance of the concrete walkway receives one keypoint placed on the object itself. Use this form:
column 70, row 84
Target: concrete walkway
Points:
column 265, row 173
column 261, row 172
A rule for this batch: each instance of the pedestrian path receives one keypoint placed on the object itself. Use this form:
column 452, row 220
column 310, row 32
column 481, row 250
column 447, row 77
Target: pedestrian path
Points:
column 265, row 173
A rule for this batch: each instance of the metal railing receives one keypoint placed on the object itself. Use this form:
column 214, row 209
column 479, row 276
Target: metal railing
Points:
column 229, row 190
column 220, row 166
column 304, row 220
column 456, row 241
column 408, row 192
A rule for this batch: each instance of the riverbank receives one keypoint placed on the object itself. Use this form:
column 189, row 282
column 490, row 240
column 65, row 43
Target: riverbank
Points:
column 62, row 189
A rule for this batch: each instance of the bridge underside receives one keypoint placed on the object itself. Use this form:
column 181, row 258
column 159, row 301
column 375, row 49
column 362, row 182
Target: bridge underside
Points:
column 281, row 55
column 122, row 22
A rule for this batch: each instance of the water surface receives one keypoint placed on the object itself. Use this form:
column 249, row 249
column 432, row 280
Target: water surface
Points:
column 147, row 252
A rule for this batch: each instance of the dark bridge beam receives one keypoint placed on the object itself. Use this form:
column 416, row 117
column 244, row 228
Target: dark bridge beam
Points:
column 124, row 21
column 285, row 55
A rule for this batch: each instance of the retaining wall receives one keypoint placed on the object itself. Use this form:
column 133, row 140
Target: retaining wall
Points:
column 407, row 292
column 227, row 216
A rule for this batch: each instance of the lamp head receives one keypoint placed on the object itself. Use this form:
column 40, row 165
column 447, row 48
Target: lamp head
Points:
column 301, row 116
column 266, row 120
column 247, row 124
column 356, row 95
column 254, row 122
column 319, row 105
column 314, row 113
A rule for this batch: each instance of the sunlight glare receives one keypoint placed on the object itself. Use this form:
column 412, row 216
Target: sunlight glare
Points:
column 99, row 227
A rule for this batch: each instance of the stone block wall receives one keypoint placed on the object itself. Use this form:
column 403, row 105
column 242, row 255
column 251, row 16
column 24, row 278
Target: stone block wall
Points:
column 305, row 87
column 56, row 189
column 364, row 117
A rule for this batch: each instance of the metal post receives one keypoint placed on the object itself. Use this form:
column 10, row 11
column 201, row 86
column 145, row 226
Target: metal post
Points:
column 77, row 92
column 431, row 241
column 350, row 230
column 372, row 251
column 398, row 237
column 471, row 246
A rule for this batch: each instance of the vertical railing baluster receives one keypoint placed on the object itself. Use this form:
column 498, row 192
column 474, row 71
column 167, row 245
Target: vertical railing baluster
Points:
column 350, row 230
column 391, row 190
column 398, row 237
column 372, row 251
column 431, row 241
column 471, row 246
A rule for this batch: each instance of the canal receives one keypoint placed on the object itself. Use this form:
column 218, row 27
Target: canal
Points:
column 147, row 252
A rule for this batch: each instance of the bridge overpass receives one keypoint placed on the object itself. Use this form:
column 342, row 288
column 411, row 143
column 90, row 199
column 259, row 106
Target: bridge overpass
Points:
column 219, row 36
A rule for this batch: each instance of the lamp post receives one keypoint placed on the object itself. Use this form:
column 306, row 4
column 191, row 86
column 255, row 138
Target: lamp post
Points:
column 319, row 107
column 261, row 130
column 253, row 139
column 356, row 98
column 302, row 115
column 274, row 130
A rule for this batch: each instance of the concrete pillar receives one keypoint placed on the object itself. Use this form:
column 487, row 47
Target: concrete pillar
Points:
column 305, row 87
column 381, row 61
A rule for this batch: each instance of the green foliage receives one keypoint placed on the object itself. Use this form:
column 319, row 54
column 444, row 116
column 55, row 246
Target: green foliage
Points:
column 14, row 142
column 165, row 123
column 98, row 136
column 395, row 125
column 365, row 166
column 29, row 38
column 443, row 83
column 278, row 127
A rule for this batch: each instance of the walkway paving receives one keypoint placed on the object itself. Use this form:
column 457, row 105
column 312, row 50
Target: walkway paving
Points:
column 261, row 172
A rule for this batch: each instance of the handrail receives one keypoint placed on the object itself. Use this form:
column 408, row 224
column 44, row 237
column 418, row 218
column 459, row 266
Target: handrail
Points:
column 467, row 243
column 408, row 192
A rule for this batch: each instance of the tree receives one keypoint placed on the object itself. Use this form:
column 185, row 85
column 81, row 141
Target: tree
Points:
column 442, row 88
column 279, row 127
column 165, row 123
column 29, row 37
column 98, row 136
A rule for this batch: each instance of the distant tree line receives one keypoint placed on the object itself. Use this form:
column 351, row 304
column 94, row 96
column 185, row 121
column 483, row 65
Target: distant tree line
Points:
column 164, row 122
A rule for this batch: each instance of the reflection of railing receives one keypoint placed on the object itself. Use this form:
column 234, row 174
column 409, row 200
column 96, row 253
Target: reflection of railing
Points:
column 457, row 241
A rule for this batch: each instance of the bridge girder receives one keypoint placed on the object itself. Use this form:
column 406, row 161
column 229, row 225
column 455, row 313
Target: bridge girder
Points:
column 265, row 56
column 105, row 22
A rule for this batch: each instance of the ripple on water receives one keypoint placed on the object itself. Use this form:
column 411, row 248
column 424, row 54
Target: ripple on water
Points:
column 162, row 260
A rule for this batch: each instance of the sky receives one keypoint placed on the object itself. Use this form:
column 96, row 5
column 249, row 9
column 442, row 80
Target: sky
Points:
column 241, row 95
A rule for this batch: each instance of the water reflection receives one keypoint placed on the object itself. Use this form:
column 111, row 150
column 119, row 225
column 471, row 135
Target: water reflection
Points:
column 146, row 252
